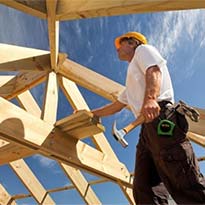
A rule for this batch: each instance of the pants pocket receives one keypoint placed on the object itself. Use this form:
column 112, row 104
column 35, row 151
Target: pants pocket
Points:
column 180, row 165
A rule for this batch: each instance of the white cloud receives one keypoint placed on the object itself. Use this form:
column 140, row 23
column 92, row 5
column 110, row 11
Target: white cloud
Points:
column 44, row 161
column 168, row 31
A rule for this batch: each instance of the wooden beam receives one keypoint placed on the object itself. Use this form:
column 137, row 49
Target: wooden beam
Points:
column 53, row 30
column 94, row 8
column 5, row 198
column 11, row 53
column 81, row 185
column 18, row 126
column 5, row 79
column 13, row 151
column 35, row 8
column 22, row 82
column 80, row 125
column 91, row 80
column 50, row 106
column 198, row 139
column 77, row 101
column 35, row 63
column 31, row 182
column 28, row 103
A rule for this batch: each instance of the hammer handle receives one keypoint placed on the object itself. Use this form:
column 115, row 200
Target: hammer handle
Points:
column 134, row 124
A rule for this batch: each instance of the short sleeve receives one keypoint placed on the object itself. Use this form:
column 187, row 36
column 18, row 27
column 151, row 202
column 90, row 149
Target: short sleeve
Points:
column 123, row 97
column 148, row 56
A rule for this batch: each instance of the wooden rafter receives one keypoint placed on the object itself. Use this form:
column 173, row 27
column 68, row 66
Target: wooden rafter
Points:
column 5, row 198
column 68, row 10
column 49, row 111
column 77, row 101
column 21, row 82
column 31, row 182
column 11, row 53
column 35, row 8
column 23, row 133
column 13, row 151
column 36, row 134
column 35, row 63
column 53, row 30
column 89, row 79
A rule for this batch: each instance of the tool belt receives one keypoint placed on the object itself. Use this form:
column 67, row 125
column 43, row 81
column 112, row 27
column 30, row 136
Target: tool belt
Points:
column 166, row 125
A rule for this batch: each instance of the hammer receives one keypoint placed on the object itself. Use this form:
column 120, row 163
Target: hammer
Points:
column 119, row 134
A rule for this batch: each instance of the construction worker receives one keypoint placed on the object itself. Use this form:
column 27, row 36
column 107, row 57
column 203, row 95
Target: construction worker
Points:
column 164, row 164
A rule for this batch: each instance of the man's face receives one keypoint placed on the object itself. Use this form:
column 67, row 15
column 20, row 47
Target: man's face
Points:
column 126, row 50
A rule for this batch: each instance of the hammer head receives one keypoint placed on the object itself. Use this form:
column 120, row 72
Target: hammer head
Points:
column 119, row 135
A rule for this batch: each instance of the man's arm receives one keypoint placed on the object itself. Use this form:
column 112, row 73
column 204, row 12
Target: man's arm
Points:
column 150, row 108
column 108, row 109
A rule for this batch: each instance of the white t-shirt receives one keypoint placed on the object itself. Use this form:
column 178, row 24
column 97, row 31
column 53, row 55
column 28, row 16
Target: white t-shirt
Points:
column 133, row 95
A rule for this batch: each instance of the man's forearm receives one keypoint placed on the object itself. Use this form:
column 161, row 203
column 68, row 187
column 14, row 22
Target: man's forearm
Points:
column 108, row 109
column 153, row 82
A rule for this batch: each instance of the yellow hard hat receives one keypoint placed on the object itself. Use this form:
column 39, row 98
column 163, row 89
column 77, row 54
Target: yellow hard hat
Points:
column 132, row 34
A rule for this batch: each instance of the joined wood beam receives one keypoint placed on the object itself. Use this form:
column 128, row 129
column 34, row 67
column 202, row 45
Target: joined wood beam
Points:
column 53, row 31
column 91, row 80
column 31, row 182
column 16, row 125
column 21, row 82
column 81, row 184
column 68, row 10
column 35, row 63
column 5, row 198
column 13, row 151
column 198, row 139
column 35, row 8
column 50, row 105
column 11, row 53
column 29, row 104
column 77, row 101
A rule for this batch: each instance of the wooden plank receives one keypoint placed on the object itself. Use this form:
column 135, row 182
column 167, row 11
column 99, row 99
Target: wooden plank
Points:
column 91, row 80
column 16, row 125
column 49, row 112
column 80, row 125
column 77, row 101
column 31, row 182
column 68, row 10
column 11, row 53
column 21, row 82
column 5, row 198
column 12, row 151
column 35, row 8
column 53, row 30
column 28, row 103
column 35, row 63
column 5, row 79
column 81, row 184
column 198, row 139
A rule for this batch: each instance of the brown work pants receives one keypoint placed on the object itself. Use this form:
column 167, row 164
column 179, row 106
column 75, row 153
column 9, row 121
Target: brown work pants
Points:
column 167, row 165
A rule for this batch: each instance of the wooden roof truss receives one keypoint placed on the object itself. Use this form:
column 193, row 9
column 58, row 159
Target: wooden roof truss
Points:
column 27, row 129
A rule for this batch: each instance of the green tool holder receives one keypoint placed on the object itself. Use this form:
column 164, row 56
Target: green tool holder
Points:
column 165, row 128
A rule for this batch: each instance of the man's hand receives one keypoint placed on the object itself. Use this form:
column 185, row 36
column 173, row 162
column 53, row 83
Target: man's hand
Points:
column 150, row 110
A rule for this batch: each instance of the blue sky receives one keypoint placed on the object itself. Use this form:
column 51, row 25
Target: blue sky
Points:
column 180, row 37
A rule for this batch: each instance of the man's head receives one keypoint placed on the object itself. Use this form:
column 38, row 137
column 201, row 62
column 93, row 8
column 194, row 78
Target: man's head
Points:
column 127, row 43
